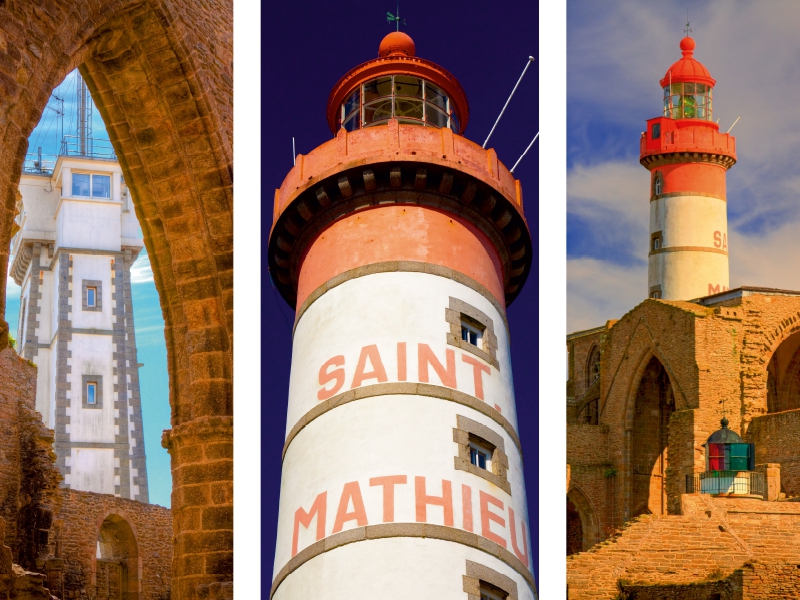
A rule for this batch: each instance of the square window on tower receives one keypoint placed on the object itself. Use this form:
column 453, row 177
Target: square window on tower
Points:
column 656, row 241
column 480, row 452
column 472, row 331
column 490, row 592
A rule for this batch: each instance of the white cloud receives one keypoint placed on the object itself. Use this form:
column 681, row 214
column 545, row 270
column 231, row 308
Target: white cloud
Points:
column 617, row 52
column 141, row 272
column 613, row 196
column 599, row 290
column 12, row 289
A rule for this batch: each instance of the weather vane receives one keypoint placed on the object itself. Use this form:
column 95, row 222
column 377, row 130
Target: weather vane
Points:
column 390, row 17
column 688, row 29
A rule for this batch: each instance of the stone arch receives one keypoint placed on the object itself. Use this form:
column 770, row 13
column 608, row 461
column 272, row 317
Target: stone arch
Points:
column 160, row 73
column 592, row 366
column 783, row 374
column 117, row 569
column 650, row 406
column 582, row 522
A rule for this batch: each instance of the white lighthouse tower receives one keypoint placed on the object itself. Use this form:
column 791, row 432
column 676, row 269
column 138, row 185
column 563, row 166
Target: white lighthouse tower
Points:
column 688, row 159
column 400, row 243
column 77, row 239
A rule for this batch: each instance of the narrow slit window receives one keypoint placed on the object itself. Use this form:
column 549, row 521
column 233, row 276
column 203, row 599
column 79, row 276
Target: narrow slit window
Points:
column 91, row 296
column 91, row 392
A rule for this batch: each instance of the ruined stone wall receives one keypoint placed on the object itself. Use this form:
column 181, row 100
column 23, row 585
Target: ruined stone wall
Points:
column 590, row 470
column 777, row 440
column 28, row 478
column 160, row 74
column 768, row 320
column 665, row 330
column 579, row 349
column 76, row 533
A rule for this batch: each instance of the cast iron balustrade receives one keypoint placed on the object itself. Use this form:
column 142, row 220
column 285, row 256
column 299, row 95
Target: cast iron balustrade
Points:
column 727, row 483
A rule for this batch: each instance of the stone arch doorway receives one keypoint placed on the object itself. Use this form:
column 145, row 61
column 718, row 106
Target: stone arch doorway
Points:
column 783, row 376
column 117, row 574
column 160, row 74
column 654, row 404
column 583, row 529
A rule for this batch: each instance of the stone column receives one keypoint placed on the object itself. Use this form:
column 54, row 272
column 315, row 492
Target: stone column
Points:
column 772, row 477
column 202, row 507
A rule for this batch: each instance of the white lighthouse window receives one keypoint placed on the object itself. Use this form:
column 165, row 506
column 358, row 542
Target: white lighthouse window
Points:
column 658, row 185
column 490, row 592
column 480, row 453
column 91, row 296
column 91, row 185
column 91, row 393
column 471, row 332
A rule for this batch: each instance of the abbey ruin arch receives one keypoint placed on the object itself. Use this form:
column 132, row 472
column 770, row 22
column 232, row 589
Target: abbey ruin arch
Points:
column 589, row 522
column 118, row 550
column 650, row 401
column 160, row 73
column 783, row 373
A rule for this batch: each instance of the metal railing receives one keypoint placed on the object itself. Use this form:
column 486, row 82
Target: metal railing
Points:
column 72, row 145
column 727, row 483
column 36, row 162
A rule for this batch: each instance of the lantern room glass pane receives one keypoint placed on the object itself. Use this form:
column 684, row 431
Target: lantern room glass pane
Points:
column 435, row 117
column 740, row 454
column 353, row 122
column 380, row 110
column 408, row 99
column 454, row 123
column 716, row 457
column 405, row 107
column 435, row 95
column 407, row 86
column 377, row 88
column 353, row 103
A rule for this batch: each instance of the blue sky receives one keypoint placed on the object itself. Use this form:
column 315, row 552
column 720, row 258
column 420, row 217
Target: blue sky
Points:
column 148, row 320
column 616, row 54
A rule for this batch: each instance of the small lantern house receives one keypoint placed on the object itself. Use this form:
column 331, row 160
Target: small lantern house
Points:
column 730, row 465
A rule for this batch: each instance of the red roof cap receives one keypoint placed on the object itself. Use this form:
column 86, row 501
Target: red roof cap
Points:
column 397, row 43
column 688, row 68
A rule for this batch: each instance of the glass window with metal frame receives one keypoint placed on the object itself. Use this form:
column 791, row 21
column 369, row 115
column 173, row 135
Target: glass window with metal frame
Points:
column 408, row 99
column 471, row 332
column 91, row 393
column 480, row 453
column 91, row 296
column 688, row 101
column 91, row 185
column 490, row 592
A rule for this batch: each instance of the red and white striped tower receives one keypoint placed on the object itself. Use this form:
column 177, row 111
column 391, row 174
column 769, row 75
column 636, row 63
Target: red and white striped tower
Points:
column 399, row 243
column 688, row 160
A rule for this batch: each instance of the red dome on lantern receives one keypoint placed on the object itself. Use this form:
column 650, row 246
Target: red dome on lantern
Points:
column 397, row 43
column 688, row 68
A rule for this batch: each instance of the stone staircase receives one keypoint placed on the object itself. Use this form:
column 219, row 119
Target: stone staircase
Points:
column 711, row 539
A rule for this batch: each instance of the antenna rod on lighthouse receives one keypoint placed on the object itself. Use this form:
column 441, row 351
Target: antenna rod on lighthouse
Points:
column 524, row 153
column 734, row 123
column 528, row 64
column 84, row 117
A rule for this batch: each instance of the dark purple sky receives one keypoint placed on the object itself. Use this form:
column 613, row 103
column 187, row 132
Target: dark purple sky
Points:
column 306, row 47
